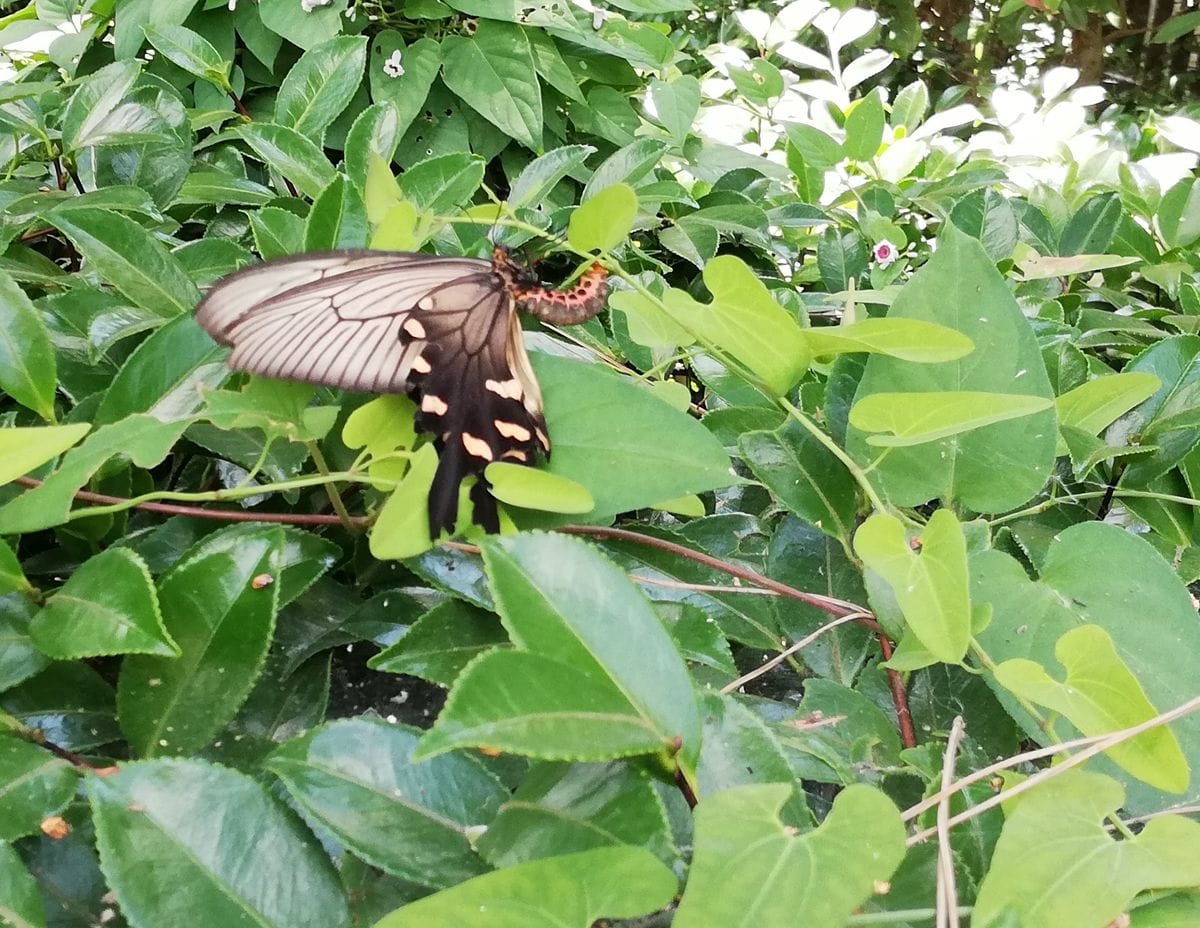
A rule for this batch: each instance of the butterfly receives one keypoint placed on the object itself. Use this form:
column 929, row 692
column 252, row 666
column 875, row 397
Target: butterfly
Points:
column 444, row 331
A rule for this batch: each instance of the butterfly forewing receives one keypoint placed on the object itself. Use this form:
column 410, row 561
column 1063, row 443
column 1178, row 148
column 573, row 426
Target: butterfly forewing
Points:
column 443, row 330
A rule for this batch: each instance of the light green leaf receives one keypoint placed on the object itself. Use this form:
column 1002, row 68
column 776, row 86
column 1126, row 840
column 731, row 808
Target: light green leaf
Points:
column 749, row 869
column 916, row 418
column 571, row 891
column 540, row 176
column 291, row 154
column 908, row 339
column 1096, row 404
column 929, row 585
column 108, row 606
column 1100, row 695
column 674, row 104
column 864, row 128
column 402, row 527
column 1038, row 267
column 530, row 488
column 24, row 448
column 605, row 220
column 1057, row 864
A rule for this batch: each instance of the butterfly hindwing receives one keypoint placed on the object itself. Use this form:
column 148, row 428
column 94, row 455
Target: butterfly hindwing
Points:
column 443, row 330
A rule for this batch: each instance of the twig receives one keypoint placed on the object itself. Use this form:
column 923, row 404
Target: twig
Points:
column 947, row 891
column 908, row 733
column 784, row 655
column 239, row 106
column 703, row 587
column 1099, row 747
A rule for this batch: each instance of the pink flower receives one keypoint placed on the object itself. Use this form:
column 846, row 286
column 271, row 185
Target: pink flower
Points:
column 885, row 253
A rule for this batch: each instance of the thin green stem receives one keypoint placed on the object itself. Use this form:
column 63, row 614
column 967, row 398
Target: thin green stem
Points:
column 985, row 661
column 335, row 498
column 832, row 446
column 213, row 496
column 1091, row 494
column 900, row 916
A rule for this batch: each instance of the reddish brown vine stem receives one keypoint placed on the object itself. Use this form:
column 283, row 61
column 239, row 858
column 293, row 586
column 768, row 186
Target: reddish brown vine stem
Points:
column 824, row 603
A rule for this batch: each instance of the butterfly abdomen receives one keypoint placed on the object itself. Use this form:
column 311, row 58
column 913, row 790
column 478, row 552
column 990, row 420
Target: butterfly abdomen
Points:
column 566, row 307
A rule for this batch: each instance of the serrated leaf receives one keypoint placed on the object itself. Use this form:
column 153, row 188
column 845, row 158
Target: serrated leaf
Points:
column 108, row 606
column 621, row 681
column 493, row 72
column 222, row 615
column 291, row 154
column 190, row 51
column 319, row 86
column 34, row 784
column 245, row 860
column 27, row 361
column 357, row 778
column 442, row 642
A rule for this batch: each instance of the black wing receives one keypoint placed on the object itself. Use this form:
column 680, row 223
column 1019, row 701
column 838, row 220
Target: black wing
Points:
column 442, row 330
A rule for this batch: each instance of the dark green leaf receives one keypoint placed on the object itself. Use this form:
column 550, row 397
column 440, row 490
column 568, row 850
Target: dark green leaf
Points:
column 34, row 784
column 27, row 364
column 320, row 85
column 494, row 74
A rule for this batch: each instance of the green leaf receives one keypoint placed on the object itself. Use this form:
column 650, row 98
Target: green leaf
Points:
column 649, row 324
column 1056, row 862
column 356, row 778
column 108, row 606
column 628, row 165
column 527, row 487
column 1090, row 573
column 222, row 616
column 34, row 784
column 291, row 154
column 373, row 136
column 674, row 104
column 162, row 825
column 1091, row 229
column 541, row 175
column 401, row 529
column 815, row 147
column 568, row 808
column 408, row 92
column 907, row 339
column 27, row 362
column 338, row 219
column 493, row 72
column 1096, row 404
column 917, row 418
column 841, row 257
column 571, row 891
column 594, row 690
column 219, row 188
column 442, row 642
column 22, row 906
column 1170, row 419
column 19, row 658
column 192, row 52
column 1038, row 267
column 990, row 469
column 930, row 586
column 804, row 476
column 129, row 258
column 277, row 232
column 1179, row 214
column 12, row 579
column 1100, row 695
column 94, row 101
column 301, row 26
column 864, row 129
column 444, row 182
column 745, row 322
column 319, row 86
column 749, row 869
column 988, row 216
column 625, row 445
column 605, row 220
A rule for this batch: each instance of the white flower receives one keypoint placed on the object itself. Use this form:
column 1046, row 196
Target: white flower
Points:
column 885, row 253
column 232, row 4
column 392, row 67
column 309, row 5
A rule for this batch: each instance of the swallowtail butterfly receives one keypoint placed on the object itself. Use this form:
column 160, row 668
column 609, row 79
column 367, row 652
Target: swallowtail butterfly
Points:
column 443, row 330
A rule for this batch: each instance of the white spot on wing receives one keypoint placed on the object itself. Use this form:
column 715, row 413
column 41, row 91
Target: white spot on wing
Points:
column 476, row 447
column 420, row 365
column 510, row 389
column 414, row 328
column 511, row 430
column 433, row 404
